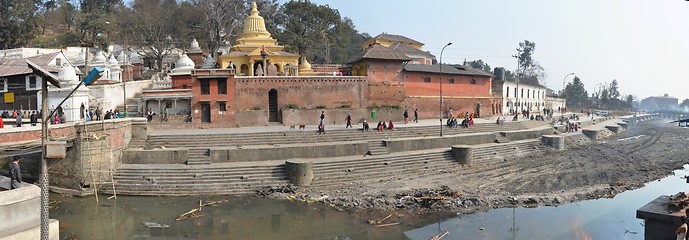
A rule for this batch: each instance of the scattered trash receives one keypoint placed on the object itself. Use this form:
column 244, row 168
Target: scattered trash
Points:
column 155, row 225
column 481, row 228
column 379, row 222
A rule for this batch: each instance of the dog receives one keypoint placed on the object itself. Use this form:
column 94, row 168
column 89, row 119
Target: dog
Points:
column 302, row 126
column 292, row 127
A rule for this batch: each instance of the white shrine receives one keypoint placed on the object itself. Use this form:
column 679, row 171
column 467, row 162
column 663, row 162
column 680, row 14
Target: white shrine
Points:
column 73, row 108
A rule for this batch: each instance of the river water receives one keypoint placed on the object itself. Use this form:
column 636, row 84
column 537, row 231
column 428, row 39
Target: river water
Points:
column 256, row 218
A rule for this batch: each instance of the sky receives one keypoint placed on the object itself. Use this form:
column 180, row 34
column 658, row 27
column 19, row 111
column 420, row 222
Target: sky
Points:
column 644, row 45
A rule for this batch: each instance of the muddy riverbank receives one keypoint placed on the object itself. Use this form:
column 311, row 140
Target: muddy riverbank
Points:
column 646, row 152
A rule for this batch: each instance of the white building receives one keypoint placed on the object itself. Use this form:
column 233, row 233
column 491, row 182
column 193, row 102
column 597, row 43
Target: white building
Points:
column 73, row 108
column 522, row 97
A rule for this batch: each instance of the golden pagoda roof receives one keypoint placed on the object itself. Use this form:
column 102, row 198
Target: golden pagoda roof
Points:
column 254, row 35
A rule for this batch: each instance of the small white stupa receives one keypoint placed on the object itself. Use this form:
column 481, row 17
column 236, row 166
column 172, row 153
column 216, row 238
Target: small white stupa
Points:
column 72, row 108
column 184, row 65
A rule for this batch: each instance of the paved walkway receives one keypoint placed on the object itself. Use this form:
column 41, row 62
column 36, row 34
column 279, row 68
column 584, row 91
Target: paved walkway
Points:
column 313, row 127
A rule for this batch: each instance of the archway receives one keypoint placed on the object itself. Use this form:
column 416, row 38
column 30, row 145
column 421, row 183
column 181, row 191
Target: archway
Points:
column 245, row 70
column 273, row 111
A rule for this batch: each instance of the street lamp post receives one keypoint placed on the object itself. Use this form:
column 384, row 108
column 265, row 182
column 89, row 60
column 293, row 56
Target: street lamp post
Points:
column 47, row 77
column 563, row 90
column 441, row 87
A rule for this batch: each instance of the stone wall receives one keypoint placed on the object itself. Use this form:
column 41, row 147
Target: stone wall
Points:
column 110, row 96
column 308, row 150
column 98, row 148
column 155, row 156
column 21, row 213
column 415, row 144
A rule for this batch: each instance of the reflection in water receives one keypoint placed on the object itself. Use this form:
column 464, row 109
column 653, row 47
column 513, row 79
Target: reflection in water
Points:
column 594, row 219
column 256, row 219
column 242, row 218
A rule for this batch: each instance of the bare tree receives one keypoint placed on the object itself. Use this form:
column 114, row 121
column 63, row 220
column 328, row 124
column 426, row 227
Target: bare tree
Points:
column 149, row 25
column 221, row 21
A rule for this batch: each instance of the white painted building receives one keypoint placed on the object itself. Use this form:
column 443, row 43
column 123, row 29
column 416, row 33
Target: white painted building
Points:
column 73, row 108
column 522, row 97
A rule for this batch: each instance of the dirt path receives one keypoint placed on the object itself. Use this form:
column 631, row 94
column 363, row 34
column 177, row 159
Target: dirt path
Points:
column 647, row 151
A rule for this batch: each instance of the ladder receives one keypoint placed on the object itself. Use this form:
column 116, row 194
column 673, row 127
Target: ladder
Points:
column 100, row 169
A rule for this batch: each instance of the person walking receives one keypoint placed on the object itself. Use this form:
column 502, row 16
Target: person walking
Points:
column 406, row 116
column 15, row 173
column 34, row 118
column 416, row 115
column 348, row 120
column 322, row 117
column 19, row 120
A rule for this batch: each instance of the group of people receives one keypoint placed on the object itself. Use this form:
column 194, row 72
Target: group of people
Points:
column 382, row 126
column 91, row 115
column 19, row 116
column 466, row 122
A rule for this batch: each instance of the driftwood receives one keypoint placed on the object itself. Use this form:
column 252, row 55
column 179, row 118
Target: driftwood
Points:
column 192, row 213
column 440, row 235
column 379, row 222
column 387, row 224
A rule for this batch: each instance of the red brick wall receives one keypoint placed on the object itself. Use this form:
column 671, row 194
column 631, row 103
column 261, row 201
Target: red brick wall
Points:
column 218, row 118
column 305, row 92
column 197, row 57
column 384, row 71
column 429, row 106
column 386, row 94
column 415, row 86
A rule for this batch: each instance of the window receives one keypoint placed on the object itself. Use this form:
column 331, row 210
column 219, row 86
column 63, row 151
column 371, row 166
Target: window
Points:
column 222, row 86
column 184, row 86
column 515, row 92
column 451, row 80
column 426, row 79
column 527, row 93
column 205, row 87
column 473, row 81
column 222, row 106
column 522, row 96
column 508, row 91
column 33, row 82
column 3, row 84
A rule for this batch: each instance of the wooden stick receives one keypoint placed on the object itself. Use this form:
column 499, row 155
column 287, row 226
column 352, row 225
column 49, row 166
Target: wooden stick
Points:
column 440, row 235
column 388, row 224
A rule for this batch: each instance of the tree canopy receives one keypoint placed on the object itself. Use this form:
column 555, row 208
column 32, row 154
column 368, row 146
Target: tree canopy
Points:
column 576, row 94
column 528, row 70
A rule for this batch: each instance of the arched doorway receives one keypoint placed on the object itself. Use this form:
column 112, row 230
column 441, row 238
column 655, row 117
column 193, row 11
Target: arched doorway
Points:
column 273, row 112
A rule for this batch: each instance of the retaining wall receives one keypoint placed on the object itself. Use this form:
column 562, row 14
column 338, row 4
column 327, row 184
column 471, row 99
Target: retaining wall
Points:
column 279, row 152
column 155, row 156
column 21, row 213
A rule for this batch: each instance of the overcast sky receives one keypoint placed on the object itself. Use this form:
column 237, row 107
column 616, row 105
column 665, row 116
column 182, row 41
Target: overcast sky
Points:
column 642, row 44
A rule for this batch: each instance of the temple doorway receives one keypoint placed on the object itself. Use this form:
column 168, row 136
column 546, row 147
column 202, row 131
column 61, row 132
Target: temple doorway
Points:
column 205, row 113
column 273, row 112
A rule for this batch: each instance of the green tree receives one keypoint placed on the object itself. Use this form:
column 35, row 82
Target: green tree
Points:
column 630, row 101
column 18, row 22
column 528, row 70
column 613, row 90
column 576, row 94
column 302, row 24
column 479, row 64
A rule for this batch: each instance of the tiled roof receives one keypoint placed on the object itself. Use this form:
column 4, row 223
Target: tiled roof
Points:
column 19, row 67
column 409, row 50
column 446, row 69
column 378, row 51
column 396, row 38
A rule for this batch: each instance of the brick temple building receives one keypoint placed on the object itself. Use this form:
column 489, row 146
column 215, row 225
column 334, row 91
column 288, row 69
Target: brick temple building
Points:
column 390, row 75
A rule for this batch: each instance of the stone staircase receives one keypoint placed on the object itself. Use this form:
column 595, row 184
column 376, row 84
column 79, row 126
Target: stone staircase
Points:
column 278, row 138
column 377, row 148
column 132, row 107
column 183, row 180
column 501, row 138
column 199, row 156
